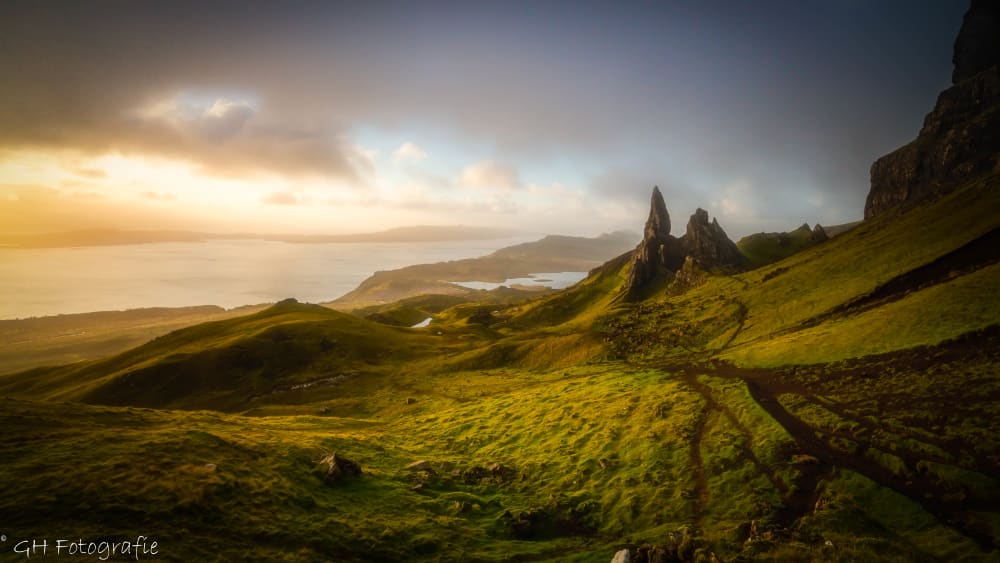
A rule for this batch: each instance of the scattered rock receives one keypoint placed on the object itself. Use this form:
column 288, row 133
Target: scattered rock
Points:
column 209, row 467
column 690, row 275
column 422, row 465
column 501, row 472
column 324, row 410
column 337, row 468
column 410, row 400
column 475, row 475
column 622, row 556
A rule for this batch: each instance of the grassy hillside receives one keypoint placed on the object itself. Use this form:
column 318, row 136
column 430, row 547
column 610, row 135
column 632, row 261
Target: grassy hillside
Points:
column 765, row 248
column 837, row 405
column 231, row 364
column 62, row 339
column 549, row 254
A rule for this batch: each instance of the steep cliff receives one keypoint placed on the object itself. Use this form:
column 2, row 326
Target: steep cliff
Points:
column 960, row 138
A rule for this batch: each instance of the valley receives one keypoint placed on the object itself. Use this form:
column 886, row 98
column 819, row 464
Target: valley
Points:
column 821, row 394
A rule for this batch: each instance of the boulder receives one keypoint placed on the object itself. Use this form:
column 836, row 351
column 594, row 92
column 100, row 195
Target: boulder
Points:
column 337, row 468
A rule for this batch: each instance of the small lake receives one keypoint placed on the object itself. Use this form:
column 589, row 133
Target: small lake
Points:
column 554, row 280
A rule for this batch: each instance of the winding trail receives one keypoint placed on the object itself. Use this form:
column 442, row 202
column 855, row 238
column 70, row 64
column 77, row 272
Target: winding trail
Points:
column 765, row 386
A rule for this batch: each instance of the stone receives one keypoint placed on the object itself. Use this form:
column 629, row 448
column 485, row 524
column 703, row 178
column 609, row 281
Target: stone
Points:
column 621, row 556
column 500, row 472
column 960, row 138
column 338, row 468
column 818, row 234
column 422, row 465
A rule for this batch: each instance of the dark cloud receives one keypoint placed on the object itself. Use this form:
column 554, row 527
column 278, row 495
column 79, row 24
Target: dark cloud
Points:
column 794, row 98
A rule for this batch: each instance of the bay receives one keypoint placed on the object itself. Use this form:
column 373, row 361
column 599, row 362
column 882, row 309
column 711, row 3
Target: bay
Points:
column 227, row 273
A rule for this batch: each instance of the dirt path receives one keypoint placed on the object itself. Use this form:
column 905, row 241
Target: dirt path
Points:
column 765, row 386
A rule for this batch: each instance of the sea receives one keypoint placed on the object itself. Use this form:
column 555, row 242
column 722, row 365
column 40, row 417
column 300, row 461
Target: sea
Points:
column 227, row 273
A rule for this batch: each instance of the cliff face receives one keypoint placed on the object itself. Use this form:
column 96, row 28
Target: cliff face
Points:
column 708, row 244
column 660, row 254
column 960, row 138
column 658, row 250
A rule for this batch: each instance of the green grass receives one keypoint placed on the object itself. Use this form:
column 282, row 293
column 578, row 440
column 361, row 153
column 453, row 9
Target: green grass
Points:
column 765, row 248
column 758, row 416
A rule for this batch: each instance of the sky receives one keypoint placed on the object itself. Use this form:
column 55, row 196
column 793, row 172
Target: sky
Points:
column 552, row 117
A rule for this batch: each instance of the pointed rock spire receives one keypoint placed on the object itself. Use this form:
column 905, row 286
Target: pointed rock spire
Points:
column 658, row 223
column 654, row 252
column 660, row 254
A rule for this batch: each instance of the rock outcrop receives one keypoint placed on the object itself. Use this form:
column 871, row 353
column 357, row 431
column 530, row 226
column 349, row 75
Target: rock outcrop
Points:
column 662, row 255
column 335, row 468
column 658, row 251
column 708, row 244
column 960, row 138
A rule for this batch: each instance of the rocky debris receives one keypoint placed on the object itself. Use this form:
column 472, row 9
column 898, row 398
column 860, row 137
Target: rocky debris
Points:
column 960, row 138
column 337, row 468
column 690, row 275
column 621, row 556
column 661, row 254
column 557, row 519
column 708, row 243
column 501, row 473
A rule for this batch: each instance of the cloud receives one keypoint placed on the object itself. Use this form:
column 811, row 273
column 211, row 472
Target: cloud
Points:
column 281, row 198
column 490, row 174
column 224, row 119
column 736, row 201
column 409, row 152
column 158, row 196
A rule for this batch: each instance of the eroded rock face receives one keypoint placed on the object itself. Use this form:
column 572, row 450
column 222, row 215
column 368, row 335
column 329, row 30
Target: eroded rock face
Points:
column 658, row 251
column 660, row 254
column 960, row 138
column 708, row 244
column 977, row 48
